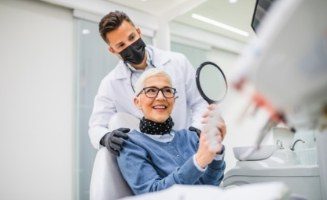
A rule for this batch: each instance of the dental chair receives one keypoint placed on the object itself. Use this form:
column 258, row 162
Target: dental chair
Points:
column 107, row 183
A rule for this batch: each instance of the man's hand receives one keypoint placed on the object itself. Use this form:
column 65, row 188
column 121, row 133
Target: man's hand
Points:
column 114, row 140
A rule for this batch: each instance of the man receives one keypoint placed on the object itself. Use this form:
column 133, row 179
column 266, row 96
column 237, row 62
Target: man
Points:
column 116, row 90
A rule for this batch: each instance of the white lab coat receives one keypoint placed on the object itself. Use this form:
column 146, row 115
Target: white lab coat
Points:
column 115, row 94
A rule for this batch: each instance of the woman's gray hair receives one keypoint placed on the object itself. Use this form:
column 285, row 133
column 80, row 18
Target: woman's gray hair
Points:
column 147, row 74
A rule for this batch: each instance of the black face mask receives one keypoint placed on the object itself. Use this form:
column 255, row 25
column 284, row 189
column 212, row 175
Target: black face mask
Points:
column 134, row 53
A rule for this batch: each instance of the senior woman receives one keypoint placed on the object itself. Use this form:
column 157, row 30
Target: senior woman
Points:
column 157, row 156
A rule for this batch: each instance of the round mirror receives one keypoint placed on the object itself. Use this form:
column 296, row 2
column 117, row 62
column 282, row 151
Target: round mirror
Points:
column 211, row 82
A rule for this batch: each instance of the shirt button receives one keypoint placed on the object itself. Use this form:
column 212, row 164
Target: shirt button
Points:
column 177, row 155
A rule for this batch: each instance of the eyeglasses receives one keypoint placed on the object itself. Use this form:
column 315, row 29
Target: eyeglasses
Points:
column 152, row 92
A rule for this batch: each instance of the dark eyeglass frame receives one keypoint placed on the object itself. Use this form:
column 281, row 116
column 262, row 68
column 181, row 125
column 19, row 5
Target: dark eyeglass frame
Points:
column 158, row 90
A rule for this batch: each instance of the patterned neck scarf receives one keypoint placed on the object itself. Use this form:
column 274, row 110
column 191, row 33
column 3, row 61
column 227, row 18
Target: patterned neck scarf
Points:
column 155, row 128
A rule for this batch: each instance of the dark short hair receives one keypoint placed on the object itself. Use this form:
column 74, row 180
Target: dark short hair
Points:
column 111, row 22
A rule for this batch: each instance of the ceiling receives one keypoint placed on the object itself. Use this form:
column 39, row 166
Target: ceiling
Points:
column 238, row 15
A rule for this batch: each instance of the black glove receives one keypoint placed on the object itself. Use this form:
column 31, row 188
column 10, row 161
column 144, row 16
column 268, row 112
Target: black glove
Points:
column 198, row 131
column 114, row 140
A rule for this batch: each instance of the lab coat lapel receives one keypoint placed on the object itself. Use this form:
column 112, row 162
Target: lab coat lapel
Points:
column 125, row 74
column 121, row 71
column 159, row 58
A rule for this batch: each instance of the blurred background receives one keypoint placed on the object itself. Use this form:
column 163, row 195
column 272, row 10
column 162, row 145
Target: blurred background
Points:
column 52, row 60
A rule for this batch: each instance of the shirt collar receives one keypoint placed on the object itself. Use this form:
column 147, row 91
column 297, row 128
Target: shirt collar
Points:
column 162, row 138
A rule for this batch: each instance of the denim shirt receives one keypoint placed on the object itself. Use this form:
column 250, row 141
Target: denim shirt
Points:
column 148, row 165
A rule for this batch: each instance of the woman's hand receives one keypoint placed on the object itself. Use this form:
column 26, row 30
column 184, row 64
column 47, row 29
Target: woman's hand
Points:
column 212, row 112
column 206, row 153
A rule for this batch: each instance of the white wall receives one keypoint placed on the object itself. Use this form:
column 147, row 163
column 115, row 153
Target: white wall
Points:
column 224, row 59
column 36, row 101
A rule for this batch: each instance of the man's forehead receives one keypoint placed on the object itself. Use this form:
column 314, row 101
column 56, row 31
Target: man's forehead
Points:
column 121, row 34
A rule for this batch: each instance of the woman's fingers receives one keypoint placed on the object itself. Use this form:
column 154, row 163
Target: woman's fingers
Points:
column 222, row 129
column 210, row 109
column 220, row 126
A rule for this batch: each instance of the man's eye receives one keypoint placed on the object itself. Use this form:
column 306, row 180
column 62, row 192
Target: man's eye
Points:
column 131, row 38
